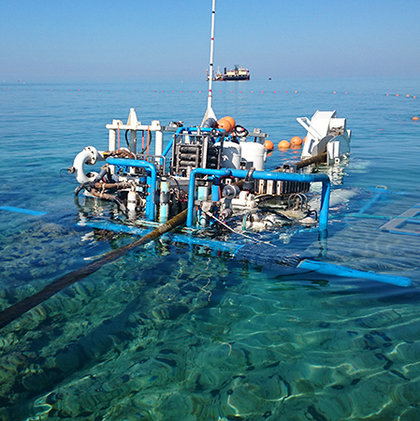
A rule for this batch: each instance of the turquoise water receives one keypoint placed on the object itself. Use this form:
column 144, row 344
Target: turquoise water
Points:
column 178, row 332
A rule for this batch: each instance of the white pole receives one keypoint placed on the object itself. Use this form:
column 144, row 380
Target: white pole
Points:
column 210, row 112
column 213, row 14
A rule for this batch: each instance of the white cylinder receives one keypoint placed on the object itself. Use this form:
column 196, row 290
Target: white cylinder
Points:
column 112, row 140
column 254, row 152
column 164, row 202
column 158, row 143
column 231, row 157
column 131, row 201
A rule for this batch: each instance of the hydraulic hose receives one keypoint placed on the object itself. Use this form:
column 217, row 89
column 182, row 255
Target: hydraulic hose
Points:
column 111, row 198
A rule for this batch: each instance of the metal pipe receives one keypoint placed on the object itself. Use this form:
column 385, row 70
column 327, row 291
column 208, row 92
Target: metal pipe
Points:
column 241, row 251
column 305, row 178
column 370, row 203
column 150, row 204
column 210, row 113
column 172, row 142
column 264, row 175
column 218, row 246
column 191, row 188
column 213, row 14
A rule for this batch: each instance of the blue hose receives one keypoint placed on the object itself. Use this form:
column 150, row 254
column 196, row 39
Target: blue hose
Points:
column 22, row 210
column 330, row 269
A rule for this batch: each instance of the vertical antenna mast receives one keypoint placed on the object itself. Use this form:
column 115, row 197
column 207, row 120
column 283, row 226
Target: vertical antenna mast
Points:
column 210, row 112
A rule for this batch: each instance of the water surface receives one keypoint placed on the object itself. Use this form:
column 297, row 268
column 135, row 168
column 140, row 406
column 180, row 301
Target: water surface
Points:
column 172, row 331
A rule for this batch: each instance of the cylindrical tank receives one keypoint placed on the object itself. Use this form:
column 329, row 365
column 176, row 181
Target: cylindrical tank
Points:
column 231, row 157
column 131, row 200
column 164, row 202
column 254, row 152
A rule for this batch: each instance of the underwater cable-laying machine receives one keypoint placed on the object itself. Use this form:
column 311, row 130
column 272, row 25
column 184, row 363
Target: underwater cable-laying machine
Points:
column 217, row 175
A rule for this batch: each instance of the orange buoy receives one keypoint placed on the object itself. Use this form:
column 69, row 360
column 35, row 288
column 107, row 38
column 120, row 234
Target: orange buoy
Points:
column 415, row 118
column 284, row 144
column 296, row 141
column 269, row 145
column 225, row 124
column 304, row 140
column 231, row 120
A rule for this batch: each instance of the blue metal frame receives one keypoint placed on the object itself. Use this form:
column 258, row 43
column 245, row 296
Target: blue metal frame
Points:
column 212, row 173
column 151, row 181
column 264, row 175
column 191, row 187
column 233, row 248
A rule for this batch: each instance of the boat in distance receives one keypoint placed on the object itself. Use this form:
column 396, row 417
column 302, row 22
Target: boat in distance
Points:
column 238, row 73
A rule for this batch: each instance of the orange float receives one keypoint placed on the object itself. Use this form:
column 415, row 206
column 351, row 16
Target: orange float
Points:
column 296, row 141
column 284, row 144
column 225, row 124
column 231, row 120
column 269, row 145
column 304, row 140
column 415, row 118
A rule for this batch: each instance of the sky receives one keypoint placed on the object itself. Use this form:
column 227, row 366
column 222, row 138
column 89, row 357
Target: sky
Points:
column 104, row 40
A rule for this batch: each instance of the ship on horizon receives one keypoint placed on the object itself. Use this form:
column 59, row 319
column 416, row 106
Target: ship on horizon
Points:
column 238, row 73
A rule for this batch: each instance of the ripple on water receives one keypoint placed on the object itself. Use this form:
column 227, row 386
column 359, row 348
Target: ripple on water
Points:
column 174, row 333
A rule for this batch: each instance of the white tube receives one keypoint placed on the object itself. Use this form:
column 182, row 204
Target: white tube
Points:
column 112, row 142
column 88, row 156
column 164, row 206
column 159, row 143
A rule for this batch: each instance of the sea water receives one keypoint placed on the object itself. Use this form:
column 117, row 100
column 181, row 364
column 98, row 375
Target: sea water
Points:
column 179, row 332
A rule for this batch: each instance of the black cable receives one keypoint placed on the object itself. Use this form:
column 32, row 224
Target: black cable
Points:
column 126, row 140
